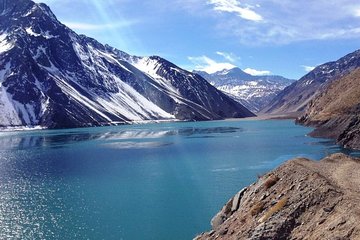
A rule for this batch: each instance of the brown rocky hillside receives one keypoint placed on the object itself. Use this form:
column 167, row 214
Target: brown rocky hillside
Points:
column 302, row 199
column 336, row 112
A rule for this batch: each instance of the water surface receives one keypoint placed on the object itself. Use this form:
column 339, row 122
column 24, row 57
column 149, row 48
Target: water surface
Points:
column 153, row 181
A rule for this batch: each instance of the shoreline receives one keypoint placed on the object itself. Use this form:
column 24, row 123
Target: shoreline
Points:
column 280, row 116
column 144, row 122
column 300, row 199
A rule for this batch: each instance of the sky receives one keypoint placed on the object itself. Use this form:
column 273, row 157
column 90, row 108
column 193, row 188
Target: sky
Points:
column 280, row 37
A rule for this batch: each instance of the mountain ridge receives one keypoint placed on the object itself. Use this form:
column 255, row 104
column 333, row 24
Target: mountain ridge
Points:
column 257, row 91
column 295, row 97
column 53, row 77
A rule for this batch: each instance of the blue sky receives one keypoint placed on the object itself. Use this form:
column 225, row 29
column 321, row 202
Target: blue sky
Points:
column 284, row 37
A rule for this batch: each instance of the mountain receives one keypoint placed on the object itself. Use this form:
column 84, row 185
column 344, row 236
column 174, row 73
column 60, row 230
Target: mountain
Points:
column 336, row 111
column 252, row 91
column 295, row 97
column 53, row 77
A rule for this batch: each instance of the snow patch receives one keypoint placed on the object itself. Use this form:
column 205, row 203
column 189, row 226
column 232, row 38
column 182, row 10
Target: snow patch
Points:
column 132, row 104
column 126, row 102
column 71, row 91
column 31, row 11
column 148, row 66
column 5, row 45
column 151, row 67
column 8, row 130
column 80, row 52
column 41, row 50
column 9, row 115
column 30, row 31
column 51, row 69
column 308, row 82
column 46, row 34
column 110, row 58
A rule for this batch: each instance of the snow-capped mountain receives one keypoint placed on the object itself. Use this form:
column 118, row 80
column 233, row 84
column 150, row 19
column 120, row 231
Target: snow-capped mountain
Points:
column 253, row 91
column 52, row 77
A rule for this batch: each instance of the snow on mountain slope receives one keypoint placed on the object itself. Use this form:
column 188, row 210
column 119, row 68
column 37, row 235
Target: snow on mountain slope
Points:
column 52, row 77
column 257, row 91
column 151, row 67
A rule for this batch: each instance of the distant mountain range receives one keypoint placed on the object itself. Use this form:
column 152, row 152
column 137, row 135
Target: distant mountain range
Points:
column 255, row 92
column 296, row 97
column 52, row 77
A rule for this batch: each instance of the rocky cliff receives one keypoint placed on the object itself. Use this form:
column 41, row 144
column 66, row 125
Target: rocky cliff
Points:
column 336, row 112
column 302, row 199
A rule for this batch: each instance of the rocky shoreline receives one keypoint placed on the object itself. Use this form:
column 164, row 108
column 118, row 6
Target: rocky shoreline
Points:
column 335, row 112
column 301, row 199
column 344, row 129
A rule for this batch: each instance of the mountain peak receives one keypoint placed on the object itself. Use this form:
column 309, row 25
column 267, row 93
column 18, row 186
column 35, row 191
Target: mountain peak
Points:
column 7, row 6
column 225, row 71
column 21, row 10
column 256, row 91
column 53, row 77
column 235, row 73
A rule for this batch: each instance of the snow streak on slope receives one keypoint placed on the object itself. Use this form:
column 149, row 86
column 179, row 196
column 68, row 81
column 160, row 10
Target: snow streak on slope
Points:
column 57, row 78
column 5, row 45
column 126, row 101
column 150, row 67
column 9, row 116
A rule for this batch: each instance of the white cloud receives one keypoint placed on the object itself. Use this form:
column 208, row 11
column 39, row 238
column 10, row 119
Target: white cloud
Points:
column 282, row 22
column 255, row 72
column 90, row 26
column 204, row 63
column 357, row 12
column 234, row 6
column 228, row 56
column 308, row 68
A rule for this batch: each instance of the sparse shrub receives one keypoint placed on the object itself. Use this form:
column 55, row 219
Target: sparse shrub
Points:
column 279, row 205
column 257, row 208
column 270, row 181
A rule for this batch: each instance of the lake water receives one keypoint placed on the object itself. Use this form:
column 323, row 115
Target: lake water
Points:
column 153, row 181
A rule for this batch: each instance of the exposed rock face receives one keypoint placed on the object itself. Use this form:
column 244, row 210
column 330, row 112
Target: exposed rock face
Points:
column 52, row 77
column 295, row 97
column 302, row 199
column 336, row 112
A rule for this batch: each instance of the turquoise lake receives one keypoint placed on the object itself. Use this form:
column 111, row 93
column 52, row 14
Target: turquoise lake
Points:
column 151, row 181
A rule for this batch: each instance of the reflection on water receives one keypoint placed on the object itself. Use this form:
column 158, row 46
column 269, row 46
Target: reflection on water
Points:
column 60, row 139
column 135, row 145
column 39, row 199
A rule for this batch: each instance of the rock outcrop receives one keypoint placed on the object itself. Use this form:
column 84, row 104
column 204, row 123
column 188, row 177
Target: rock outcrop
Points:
column 336, row 111
column 302, row 199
